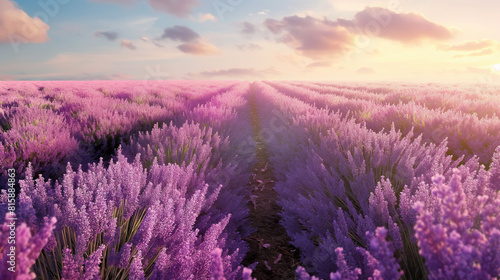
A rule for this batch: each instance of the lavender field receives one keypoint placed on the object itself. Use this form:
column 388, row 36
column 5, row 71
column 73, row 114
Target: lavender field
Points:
column 249, row 180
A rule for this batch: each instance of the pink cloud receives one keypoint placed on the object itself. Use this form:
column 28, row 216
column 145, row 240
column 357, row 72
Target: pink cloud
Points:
column 471, row 45
column 365, row 70
column 121, row 77
column 111, row 36
column 238, row 72
column 83, row 76
column 93, row 77
column 479, row 53
column 192, row 42
column 476, row 70
column 180, row 33
column 248, row 28
column 403, row 27
column 319, row 64
column 198, row 48
column 123, row 2
column 6, row 77
column 249, row 47
column 312, row 37
column 180, row 8
column 323, row 38
column 17, row 26
column 128, row 44
column 206, row 17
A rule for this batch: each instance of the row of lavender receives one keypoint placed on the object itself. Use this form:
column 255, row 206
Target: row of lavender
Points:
column 468, row 134
column 362, row 203
column 171, row 204
column 479, row 99
column 51, row 123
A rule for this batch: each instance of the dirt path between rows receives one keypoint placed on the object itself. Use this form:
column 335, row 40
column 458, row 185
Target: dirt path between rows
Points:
column 270, row 244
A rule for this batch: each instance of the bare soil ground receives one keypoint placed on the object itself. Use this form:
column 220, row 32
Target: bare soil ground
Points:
column 270, row 244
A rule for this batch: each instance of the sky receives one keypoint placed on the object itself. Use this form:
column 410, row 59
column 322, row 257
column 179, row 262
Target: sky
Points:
column 356, row 40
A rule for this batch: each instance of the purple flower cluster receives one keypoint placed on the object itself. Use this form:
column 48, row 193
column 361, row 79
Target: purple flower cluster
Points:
column 52, row 123
column 159, row 209
column 433, row 115
column 27, row 249
column 39, row 136
column 86, row 202
column 380, row 266
column 469, row 99
column 458, row 242
column 150, row 181
column 339, row 179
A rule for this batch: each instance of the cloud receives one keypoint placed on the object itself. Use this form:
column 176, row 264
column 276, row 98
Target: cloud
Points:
column 373, row 52
column 403, row 27
column 249, row 47
column 154, row 41
column 6, row 77
column 319, row 64
column 322, row 38
column 479, row 53
column 248, row 28
column 180, row 33
column 157, row 44
column 17, row 26
column 123, row 2
column 476, row 70
column 128, row 44
column 192, row 42
column 179, row 8
column 76, row 76
column 312, row 37
column 111, row 36
column 264, row 12
column 198, row 48
column 206, row 17
column 238, row 72
column 365, row 70
column 120, row 77
column 471, row 45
